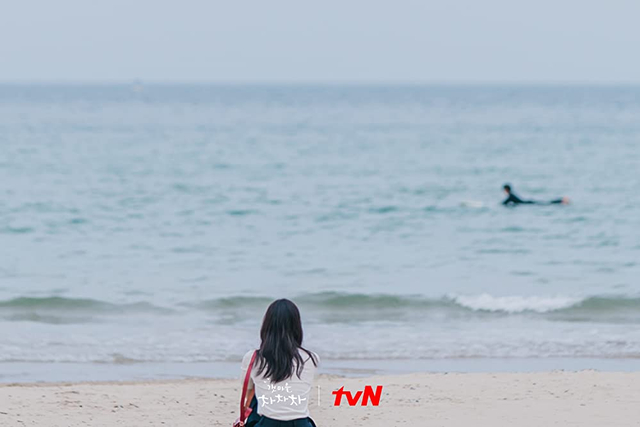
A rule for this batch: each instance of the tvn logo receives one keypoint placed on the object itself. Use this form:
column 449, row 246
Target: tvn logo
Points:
column 352, row 400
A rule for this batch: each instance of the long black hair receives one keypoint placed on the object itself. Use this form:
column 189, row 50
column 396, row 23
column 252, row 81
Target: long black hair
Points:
column 281, row 335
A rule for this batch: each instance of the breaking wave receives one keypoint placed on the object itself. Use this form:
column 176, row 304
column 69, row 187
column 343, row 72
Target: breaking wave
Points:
column 348, row 305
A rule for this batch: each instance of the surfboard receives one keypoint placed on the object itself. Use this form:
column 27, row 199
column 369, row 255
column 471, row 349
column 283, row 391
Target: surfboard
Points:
column 475, row 204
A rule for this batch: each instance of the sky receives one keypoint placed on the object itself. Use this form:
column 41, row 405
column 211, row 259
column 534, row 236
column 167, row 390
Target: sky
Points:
column 400, row 41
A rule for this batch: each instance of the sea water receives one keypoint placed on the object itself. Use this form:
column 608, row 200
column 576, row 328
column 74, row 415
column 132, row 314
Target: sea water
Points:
column 144, row 229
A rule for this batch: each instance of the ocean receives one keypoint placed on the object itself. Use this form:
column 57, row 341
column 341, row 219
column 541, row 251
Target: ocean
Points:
column 144, row 229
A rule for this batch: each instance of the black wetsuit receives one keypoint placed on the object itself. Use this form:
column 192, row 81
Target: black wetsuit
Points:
column 515, row 200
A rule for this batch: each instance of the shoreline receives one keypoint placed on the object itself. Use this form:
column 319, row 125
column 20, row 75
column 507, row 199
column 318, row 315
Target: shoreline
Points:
column 67, row 372
column 585, row 398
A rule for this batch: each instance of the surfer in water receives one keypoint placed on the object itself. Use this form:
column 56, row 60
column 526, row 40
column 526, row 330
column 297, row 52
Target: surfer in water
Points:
column 513, row 200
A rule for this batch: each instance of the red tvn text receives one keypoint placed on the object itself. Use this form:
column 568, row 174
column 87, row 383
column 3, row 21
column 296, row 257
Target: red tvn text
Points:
column 367, row 395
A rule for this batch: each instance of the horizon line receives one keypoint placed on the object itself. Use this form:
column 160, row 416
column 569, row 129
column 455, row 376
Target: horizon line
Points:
column 220, row 82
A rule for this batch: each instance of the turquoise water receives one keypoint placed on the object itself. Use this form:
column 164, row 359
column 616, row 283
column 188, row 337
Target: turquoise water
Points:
column 152, row 225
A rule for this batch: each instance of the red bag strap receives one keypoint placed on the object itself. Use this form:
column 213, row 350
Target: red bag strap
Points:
column 246, row 385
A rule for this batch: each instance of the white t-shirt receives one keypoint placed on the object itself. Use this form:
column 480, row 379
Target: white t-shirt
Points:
column 288, row 399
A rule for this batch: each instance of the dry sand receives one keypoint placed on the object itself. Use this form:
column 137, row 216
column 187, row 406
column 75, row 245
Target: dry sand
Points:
column 582, row 399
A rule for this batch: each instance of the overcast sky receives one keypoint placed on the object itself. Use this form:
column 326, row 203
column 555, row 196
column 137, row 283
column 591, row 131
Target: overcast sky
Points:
column 321, row 41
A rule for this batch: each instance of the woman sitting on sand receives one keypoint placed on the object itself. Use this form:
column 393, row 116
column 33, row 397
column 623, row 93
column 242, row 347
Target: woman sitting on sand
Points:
column 283, row 371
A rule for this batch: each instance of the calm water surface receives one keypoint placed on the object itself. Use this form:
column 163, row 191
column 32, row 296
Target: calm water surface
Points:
column 145, row 225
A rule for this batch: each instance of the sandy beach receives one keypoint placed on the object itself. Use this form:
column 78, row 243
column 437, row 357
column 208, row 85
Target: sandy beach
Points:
column 586, row 398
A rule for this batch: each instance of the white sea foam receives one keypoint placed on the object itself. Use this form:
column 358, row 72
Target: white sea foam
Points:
column 516, row 303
